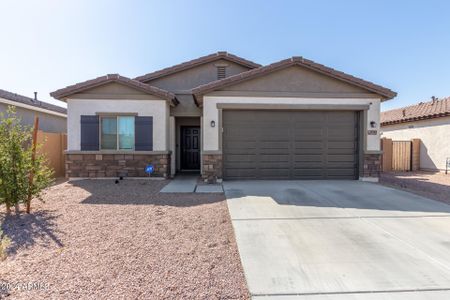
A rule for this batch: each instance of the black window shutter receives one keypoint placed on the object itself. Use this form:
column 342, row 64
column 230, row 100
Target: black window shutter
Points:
column 89, row 133
column 143, row 127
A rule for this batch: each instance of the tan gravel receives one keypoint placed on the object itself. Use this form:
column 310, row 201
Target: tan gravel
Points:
column 93, row 239
column 433, row 185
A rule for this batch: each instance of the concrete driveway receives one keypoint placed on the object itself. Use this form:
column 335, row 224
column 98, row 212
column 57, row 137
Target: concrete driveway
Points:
column 339, row 240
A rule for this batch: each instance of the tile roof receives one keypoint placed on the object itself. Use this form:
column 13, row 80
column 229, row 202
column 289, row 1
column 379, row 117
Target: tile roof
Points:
column 30, row 101
column 261, row 71
column 422, row 111
column 82, row 86
column 195, row 62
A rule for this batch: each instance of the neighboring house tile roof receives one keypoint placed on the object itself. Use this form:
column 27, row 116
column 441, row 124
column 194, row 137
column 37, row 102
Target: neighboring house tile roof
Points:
column 422, row 111
column 300, row 61
column 196, row 62
column 82, row 86
column 32, row 102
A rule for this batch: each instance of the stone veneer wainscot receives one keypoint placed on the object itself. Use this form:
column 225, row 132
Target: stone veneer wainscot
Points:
column 371, row 165
column 127, row 164
column 212, row 167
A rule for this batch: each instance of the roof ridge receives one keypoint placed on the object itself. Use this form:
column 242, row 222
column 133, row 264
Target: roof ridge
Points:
column 419, row 111
column 31, row 101
column 195, row 62
column 421, row 103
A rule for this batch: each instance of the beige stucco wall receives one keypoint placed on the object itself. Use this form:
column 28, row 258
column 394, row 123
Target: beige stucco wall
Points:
column 210, row 113
column 435, row 140
column 158, row 109
column 193, row 77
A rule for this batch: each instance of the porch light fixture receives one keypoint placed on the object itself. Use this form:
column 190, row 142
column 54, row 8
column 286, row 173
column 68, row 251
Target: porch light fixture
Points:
column 213, row 123
column 373, row 124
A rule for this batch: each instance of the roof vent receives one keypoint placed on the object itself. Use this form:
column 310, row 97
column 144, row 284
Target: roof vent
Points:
column 434, row 99
column 404, row 112
column 35, row 96
column 221, row 72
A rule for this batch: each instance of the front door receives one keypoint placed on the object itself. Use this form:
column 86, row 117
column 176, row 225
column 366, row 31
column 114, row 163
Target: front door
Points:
column 190, row 148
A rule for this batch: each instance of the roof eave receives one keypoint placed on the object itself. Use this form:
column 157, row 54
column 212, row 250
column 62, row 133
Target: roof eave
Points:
column 385, row 93
column 64, row 93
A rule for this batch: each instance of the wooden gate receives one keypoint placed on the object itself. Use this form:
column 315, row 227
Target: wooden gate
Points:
column 401, row 155
column 53, row 146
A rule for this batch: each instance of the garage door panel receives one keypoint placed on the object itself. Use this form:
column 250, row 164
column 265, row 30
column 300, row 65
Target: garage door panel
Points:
column 290, row 144
column 239, row 173
column 308, row 145
column 341, row 144
column 273, row 173
column 340, row 158
column 274, row 144
column 314, row 157
column 241, row 165
column 308, row 165
column 240, row 157
column 304, row 173
column 340, row 172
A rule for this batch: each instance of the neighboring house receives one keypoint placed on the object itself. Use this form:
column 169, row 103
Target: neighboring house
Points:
column 229, row 118
column 429, row 122
column 52, row 118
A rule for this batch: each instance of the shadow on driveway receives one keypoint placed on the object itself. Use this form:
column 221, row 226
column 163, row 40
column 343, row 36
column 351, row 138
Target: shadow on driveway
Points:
column 373, row 198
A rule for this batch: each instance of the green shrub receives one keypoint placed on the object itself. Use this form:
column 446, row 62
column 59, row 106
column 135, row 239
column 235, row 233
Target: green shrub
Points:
column 16, row 162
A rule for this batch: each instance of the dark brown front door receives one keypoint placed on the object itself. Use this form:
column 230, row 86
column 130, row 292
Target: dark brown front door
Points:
column 190, row 148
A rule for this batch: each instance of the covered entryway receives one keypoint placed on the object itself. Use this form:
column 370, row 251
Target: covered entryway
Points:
column 268, row 144
column 190, row 148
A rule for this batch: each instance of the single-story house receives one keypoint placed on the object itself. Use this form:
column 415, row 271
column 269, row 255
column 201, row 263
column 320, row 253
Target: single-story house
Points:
column 52, row 118
column 427, row 121
column 226, row 117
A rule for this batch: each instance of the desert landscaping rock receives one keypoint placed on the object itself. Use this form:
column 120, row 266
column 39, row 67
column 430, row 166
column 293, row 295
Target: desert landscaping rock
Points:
column 94, row 239
column 433, row 185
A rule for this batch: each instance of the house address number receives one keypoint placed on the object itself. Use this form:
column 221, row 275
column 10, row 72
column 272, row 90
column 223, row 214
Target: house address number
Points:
column 371, row 132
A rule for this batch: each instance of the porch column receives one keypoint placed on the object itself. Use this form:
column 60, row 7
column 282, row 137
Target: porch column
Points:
column 172, row 143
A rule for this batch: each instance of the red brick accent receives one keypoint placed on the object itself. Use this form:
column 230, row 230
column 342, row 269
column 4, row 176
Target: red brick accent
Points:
column 116, row 165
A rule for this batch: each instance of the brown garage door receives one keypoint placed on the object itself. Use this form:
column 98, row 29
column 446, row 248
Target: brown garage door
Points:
column 290, row 144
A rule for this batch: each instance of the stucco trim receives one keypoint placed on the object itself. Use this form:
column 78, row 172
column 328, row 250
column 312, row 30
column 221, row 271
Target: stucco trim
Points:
column 292, row 106
column 109, row 96
column 212, row 152
column 31, row 107
column 291, row 94
column 373, row 152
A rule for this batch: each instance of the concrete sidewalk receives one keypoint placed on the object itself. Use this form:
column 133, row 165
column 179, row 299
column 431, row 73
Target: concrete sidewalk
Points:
column 339, row 240
column 189, row 183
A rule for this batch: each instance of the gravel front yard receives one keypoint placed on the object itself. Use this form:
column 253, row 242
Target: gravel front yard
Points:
column 93, row 239
column 431, row 185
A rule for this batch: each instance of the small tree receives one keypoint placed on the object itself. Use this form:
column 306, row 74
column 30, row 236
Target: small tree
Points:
column 16, row 163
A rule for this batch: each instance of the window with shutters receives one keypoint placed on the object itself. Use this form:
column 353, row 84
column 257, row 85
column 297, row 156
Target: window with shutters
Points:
column 221, row 72
column 117, row 132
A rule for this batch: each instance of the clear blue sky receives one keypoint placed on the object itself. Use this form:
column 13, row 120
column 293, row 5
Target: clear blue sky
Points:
column 403, row 45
